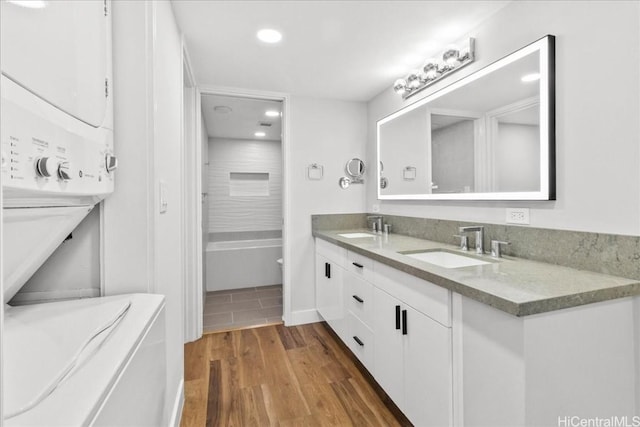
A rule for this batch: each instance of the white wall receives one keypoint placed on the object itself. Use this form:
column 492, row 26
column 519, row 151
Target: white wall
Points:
column 327, row 132
column 168, row 86
column 453, row 157
column 598, row 155
column 244, row 213
column 517, row 157
column 410, row 128
column 143, row 248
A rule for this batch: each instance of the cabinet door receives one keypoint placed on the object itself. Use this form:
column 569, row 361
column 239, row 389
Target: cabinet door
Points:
column 428, row 370
column 388, row 365
column 329, row 298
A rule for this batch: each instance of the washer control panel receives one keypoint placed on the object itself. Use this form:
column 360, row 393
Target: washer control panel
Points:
column 44, row 150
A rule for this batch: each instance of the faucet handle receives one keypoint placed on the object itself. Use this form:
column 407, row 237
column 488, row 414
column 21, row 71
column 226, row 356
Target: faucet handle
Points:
column 496, row 248
column 464, row 241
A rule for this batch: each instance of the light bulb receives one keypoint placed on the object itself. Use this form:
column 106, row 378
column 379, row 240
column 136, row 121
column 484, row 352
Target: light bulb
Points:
column 272, row 113
column 451, row 55
column 260, row 134
column 400, row 86
column 431, row 69
column 413, row 79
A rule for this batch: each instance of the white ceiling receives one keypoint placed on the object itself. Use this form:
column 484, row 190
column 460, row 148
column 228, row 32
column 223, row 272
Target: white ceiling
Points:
column 349, row 50
column 243, row 120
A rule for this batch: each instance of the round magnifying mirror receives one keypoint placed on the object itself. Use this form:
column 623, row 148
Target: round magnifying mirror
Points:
column 355, row 168
column 344, row 182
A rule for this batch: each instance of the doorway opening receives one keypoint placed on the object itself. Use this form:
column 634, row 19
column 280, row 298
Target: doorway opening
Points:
column 243, row 210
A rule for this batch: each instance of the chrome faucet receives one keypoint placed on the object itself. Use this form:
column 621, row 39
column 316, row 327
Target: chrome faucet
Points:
column 376, row 223
column 479, row 230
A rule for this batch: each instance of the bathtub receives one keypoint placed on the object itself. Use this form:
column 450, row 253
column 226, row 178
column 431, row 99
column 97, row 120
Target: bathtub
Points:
column 234, row 264
column 96, row 361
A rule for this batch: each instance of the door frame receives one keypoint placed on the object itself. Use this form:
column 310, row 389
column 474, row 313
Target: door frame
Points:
column 191, row 203
column 285, row 98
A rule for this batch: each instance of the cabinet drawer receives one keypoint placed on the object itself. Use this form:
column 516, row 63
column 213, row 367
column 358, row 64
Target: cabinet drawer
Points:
column 429, row 299
column 359, row 298
column 360, row 341
column 332, row 252
column 359, row 265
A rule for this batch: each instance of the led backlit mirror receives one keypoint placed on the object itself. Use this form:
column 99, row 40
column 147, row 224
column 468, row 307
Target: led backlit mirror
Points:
column 488, row 136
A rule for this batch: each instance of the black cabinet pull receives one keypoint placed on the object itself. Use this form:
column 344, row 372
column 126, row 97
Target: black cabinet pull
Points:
column 404, row 322
column 356, row 339
column 357, row 265
column 357, row 298
column 328, row 271
column 397, row 317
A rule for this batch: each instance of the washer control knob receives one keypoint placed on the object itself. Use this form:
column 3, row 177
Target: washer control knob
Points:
column 111, row 162
column 46, row 167
column 64, row 171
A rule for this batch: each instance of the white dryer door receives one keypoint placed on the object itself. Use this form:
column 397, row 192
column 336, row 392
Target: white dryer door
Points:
column 60, row 52
column 30, row 237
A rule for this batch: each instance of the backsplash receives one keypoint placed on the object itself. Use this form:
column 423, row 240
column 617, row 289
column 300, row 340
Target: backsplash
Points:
column 612, row 254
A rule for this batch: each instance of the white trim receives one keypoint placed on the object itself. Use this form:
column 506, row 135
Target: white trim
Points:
column 1, row 307
column 287, row 170
column 178, row 406
column 457, row 363
column 191, row 203
column 302, row 317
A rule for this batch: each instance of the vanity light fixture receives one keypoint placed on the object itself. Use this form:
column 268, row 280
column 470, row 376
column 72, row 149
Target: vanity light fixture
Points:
column 269, row 35
column 260, row 134
column 453, row 58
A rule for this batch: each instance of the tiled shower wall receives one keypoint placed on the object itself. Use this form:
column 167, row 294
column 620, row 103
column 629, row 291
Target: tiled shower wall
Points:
column 244, row 212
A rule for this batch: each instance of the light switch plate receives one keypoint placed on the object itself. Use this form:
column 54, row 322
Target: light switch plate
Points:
column 518, row 216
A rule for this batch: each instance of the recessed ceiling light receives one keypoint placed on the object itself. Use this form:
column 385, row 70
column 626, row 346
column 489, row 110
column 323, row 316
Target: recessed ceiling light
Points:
column 222, row 109
column 269, row 35
column 272, row 113
column 531, row 77
column 31, row 4
column 260, row 134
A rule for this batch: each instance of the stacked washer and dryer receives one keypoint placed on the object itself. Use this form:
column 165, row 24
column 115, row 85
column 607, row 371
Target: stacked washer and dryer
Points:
column 96, row 361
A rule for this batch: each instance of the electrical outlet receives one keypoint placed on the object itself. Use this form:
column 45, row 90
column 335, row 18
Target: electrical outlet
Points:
column 375, row 208
column 517, row 215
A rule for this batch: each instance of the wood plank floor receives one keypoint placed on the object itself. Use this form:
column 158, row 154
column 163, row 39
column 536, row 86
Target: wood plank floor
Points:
column 277, row 376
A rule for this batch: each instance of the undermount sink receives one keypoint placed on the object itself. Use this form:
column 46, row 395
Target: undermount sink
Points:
column 445, row 259
column 356, row 235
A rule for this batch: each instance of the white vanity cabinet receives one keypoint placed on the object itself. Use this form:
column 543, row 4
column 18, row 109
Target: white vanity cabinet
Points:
column 397, row 325
column 358, row 299
column 329, row 285
column 412, row 352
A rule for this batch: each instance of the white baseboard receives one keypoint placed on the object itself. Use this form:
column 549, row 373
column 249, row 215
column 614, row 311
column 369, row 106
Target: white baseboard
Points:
column 302, row 317
column 178, row 405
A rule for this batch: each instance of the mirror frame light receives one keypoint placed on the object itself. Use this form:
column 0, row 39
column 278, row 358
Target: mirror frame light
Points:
column 546, row 49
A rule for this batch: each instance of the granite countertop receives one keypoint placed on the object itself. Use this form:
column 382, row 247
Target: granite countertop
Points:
column 514, row 285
